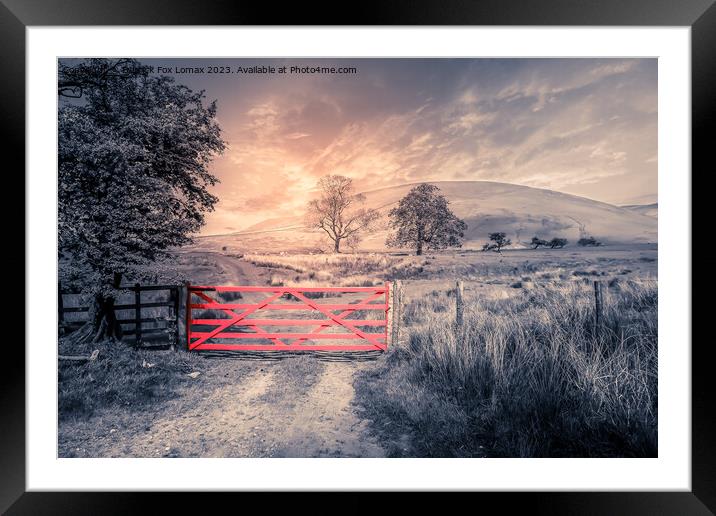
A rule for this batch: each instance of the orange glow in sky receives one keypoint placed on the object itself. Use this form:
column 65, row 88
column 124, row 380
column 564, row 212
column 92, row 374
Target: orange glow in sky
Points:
column 582, row 126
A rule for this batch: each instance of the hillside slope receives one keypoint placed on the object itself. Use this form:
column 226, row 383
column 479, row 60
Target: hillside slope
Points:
column 520, row 211
column 651, row 210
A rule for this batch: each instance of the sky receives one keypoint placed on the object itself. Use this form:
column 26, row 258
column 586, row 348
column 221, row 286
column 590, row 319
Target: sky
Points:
column 586, row 127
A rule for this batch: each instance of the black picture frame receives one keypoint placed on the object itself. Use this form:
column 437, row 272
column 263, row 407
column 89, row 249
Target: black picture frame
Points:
column 17, row 15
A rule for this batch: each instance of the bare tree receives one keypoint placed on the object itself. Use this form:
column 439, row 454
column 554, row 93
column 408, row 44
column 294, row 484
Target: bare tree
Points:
column 339, row 212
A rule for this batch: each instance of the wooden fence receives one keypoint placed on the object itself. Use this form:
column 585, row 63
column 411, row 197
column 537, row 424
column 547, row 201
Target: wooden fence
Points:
column 171, row 329
column 174, row 328
column 598, row 305
column 167, row 324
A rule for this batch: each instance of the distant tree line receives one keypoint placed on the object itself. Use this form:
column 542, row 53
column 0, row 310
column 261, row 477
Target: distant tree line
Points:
column 555, row 243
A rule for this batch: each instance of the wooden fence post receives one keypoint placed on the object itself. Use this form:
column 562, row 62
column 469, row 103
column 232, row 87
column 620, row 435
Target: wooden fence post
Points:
column 396, row 300
column 174, row 310
column 459, row 304
column 389, row 312
column 60, row 304
column 137, row 314
column 598, row 306
column 182, row 300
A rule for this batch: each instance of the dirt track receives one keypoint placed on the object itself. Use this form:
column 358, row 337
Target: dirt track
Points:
column 296, row 407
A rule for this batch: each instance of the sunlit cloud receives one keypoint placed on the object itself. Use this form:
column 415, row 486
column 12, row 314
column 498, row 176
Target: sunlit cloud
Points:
column 582, row 126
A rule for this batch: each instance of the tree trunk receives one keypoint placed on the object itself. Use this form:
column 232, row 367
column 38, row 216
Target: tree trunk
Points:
column 104, row 321
column 337, row 245
column 102, row 324
column 419, row 248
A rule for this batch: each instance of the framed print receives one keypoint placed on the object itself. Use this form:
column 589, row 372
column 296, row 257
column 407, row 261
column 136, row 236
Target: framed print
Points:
column 416, row 252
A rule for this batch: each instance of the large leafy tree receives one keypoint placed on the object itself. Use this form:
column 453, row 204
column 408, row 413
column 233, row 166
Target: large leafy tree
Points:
column 340, row 212
column 134, row 152
column 423, row 220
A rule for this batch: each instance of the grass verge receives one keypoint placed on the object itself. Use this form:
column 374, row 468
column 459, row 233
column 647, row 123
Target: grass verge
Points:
column 527, row 376
column 121, row 377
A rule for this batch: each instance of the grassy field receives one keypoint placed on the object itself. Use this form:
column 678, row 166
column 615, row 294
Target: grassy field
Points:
column 527, row 374
column 361, row 270
column 541, row 264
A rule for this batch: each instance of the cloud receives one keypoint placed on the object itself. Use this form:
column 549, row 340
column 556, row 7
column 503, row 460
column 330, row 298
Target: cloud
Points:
column 573, row 125
column 297, row 136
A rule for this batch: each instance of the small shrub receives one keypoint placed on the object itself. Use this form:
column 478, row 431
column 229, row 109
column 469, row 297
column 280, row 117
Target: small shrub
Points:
column 557, row 243
column 588, row 241
column 230, row 295
column 537, row 242
column 585, row 273
column 275, row 281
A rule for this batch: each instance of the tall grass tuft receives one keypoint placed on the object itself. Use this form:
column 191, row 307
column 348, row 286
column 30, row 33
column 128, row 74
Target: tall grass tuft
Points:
column 528, row 376
column 120, row 377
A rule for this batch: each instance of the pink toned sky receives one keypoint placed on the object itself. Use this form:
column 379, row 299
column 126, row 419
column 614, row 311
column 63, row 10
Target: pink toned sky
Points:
column 582, row 126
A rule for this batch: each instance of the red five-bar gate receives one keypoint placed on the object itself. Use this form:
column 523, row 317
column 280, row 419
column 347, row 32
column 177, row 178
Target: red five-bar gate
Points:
column 322, row 318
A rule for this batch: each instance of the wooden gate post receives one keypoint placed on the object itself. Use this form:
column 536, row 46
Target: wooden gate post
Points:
column 182, row 300
column 395, row 315
column 459, row 304
column 173, row 332
column 389, row 313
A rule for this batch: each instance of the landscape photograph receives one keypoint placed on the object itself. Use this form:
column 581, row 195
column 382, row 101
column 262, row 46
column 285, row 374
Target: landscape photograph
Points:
column 357, row 257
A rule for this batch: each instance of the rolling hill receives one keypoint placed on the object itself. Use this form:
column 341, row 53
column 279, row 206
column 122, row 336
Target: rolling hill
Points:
column 520, row 211
column 652, row 210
